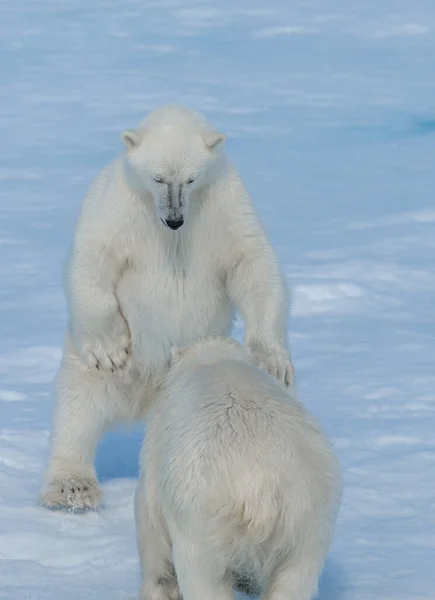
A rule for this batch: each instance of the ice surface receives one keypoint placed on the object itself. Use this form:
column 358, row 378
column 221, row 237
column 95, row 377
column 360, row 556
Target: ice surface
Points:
column 329, row 109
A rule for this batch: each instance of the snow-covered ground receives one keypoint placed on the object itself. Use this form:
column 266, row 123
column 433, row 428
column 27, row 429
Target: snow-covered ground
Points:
column 330, row 112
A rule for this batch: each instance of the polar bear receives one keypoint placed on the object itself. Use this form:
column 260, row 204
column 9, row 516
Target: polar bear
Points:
column 236, row 477
column 167, row 247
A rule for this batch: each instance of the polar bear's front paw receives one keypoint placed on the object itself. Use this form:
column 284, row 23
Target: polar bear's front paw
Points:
column 72, row 494
column 107, row 352
column 274, row 360
column 107, row 355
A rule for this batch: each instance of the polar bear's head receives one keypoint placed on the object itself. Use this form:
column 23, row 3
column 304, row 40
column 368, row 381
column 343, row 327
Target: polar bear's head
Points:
column 171, row 154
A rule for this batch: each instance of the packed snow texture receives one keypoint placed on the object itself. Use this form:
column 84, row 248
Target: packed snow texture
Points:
column 329, row 109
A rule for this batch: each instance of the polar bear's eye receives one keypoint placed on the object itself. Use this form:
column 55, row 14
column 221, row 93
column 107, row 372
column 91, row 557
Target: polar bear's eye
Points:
column 158, row 179
column 190, row 180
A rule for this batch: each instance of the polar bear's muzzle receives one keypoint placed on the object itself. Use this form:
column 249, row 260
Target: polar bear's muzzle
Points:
column 171, row 204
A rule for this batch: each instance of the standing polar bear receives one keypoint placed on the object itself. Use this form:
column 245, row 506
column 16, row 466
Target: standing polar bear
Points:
column 236, row 477
column 167, row 246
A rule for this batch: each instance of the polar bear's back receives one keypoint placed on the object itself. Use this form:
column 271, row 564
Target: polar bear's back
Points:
column 228, row 430
column 237, row 459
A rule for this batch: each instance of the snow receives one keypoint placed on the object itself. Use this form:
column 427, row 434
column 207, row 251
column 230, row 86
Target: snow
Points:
column 329, row 110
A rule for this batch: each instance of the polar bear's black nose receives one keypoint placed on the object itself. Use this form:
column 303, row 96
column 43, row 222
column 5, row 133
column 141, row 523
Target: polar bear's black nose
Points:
column 174, row 224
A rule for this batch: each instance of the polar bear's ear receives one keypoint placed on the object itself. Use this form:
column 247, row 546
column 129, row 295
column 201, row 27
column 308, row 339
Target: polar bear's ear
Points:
column 131, row 138
column 214, row 139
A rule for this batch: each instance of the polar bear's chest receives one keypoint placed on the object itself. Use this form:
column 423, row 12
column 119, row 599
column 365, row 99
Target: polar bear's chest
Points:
column 174, row 301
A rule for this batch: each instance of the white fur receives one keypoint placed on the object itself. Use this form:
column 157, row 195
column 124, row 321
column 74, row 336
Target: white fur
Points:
column 235, row 477
column 135, row 288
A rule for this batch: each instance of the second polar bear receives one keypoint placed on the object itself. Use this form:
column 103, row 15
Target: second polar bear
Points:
column 167, row 246
column 235, row 477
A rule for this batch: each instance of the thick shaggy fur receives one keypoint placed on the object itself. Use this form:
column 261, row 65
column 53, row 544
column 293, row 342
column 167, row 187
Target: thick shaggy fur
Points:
column 235, row 477
column 135, row 287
